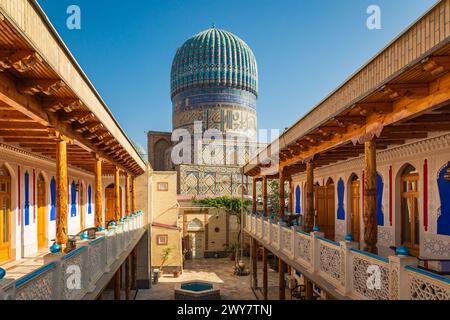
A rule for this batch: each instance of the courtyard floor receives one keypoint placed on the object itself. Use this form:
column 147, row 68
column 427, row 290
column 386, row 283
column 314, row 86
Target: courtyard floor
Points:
column 217, row 271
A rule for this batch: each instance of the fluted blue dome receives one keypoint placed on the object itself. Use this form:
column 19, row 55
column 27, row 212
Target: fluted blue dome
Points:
column 214, row 58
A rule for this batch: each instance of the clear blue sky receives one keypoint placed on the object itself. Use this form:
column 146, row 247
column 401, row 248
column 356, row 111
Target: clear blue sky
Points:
column 304, row 49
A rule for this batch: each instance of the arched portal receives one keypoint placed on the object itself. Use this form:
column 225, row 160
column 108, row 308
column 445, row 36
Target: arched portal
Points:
column 160, row 154
column 354, row 201
column 196, row 236
column 410, row 226
column 5, row 214
column 110, row 203
column 42, row 212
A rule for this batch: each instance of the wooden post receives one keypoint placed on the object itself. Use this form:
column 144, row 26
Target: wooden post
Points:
column 309, row 292
column 265, row 275
column 61, row 191
column 98, row 193
column 370, row 198
column 134, row 270
column 309, row 212
column 127, row 194
column 281, row 280
column 254, row 196
column 282, row 202
column 255, row 262
column 117, row 208
column 127, row 278
column 264, row 191
column 117, row 284
column 290, row 198
column 133, row 194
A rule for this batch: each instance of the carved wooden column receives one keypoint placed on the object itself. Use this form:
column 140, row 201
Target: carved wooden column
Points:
column 290, row 198
column 98, row 193
column 127, row 194
column 117, row 207
column 264, row 192
column 282, row 202
column 254, row 195
column 370, row 198
column 133, row 194
column 265, row 275
column 309, row 212
column 255, row 262
column 61, row 191
column 281, row 280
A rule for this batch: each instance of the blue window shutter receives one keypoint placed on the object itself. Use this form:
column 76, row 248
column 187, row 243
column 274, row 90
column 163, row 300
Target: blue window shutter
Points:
column 73, row 194
column 89, row 199
column 341, row 192
column 53, row 199
column 380, row 186
column 443, row 223
column 298, row 208
column 27, row 198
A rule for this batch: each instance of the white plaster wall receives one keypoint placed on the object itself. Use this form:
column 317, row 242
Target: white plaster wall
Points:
column 24, row 238
column 436, row 150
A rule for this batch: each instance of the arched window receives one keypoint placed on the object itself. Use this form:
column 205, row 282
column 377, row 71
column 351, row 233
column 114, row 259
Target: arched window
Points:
column 298, row 208
column 341, row 191
column 380, row 213
column 89, row 199
column 53, row 199
column 410, row 232
column 73, row 194
column 443, row 223
column 27, row 198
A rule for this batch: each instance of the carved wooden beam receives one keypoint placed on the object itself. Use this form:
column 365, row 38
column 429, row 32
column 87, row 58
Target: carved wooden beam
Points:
column 20, row 60
column 44, row 86
column 436, row 65
column 55, row 104
column 409, row 90
column 367, row 108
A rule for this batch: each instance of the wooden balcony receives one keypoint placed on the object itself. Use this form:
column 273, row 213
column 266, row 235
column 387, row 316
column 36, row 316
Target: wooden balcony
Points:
column 345, row 272
column 94, row 263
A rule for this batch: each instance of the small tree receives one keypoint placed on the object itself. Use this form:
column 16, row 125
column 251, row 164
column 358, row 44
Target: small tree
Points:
column 273, row 197
column 165, row 255
column 232, row 207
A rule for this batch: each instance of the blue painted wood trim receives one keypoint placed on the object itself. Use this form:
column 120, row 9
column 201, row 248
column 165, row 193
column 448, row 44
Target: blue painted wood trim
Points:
column 329, row 241
column 303, row 232
column 429, row 274
column 20, row 282
column 368, row 254
column 97, row 240
column 71, row 254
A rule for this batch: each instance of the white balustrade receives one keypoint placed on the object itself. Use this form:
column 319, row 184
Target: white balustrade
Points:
column 70, row 276
column 353, row 273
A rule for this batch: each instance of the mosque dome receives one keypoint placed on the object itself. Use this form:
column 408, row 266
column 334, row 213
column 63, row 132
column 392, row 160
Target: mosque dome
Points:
column 214, row 58
column 141, row 151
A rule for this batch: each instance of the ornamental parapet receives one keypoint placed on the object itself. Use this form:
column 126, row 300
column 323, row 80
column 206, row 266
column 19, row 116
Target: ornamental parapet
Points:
column 344, row 270
column 74, row 275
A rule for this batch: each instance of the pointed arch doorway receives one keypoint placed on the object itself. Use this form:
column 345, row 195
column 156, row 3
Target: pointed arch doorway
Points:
column 110, row 203
column 355, row 207
column 325, row 204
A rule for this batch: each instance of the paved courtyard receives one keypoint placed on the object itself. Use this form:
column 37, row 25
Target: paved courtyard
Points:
column 217, row 271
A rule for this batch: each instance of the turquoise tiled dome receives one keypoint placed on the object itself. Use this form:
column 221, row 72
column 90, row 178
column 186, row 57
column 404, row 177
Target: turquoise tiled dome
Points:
column 214, row 58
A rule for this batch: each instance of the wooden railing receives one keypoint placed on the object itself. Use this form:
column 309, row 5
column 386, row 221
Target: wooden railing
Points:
column 71, row 276
column 352, row 273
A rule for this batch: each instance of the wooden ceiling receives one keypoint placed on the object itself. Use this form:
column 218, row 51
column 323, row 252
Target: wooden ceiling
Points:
column 43, row 105
column 406, row 108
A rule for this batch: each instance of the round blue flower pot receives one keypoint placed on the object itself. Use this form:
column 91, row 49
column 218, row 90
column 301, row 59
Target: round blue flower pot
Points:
column 84, row 236
column 316, row 229
column 112, row 224
column 348, row 238
column 402, row 251
column 55, row 248
column 101, row 228
column 121, row 220
column 2, row 273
